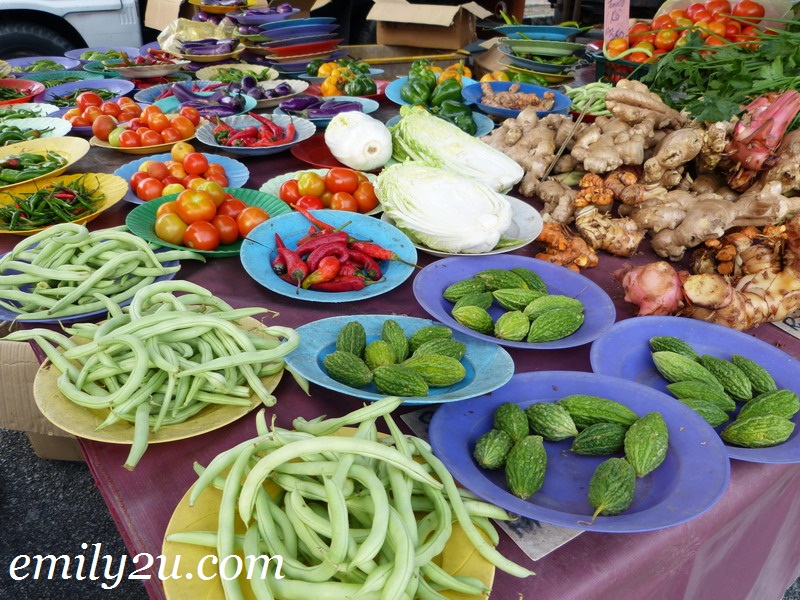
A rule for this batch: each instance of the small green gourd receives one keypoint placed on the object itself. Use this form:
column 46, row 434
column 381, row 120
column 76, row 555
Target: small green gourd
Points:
column 612, row 487
column 646, row 443
column 511, row 418
column 525, row 467
column 492, row 448
column 551, row 421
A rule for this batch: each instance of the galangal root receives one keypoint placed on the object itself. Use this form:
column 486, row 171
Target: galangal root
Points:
column 768, row 289
column 514, row 99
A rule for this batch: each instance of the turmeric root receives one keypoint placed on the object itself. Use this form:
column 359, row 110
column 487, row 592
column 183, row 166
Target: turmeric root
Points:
column 514, row 99
column 565, row 248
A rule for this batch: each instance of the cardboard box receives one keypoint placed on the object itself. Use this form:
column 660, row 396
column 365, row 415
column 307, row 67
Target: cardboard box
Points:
column 396, row 60
column 160, row 13
column 401, row 23
column 18, row 410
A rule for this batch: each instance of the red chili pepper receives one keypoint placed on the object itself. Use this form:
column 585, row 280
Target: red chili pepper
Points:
column 318, row 240
column 289, row 132
column 368, row 265
column 209, row 87
column 64, row 196
column 346, row 283
column 295, row 267
column 378, row 252
column 349, row 268
column 241, row 135
column 328, row 269
column 338, row 249
column 274, row 129
column 278, row 263
column 320, row 224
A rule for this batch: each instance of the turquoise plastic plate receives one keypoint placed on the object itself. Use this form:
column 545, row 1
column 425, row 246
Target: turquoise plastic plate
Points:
column 488, row 365
column 257, row 255
column 172, row 105
column 236, row 172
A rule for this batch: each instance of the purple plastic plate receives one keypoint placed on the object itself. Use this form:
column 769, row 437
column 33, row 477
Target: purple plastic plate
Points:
column 624, row 351
column 119, row 87
column 692, row 478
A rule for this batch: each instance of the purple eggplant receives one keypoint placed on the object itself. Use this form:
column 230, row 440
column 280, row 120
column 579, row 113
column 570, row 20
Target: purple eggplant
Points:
column 282, row 89
column 284, row 8
column 208, row 46
column 183, row 94
column 299, row 103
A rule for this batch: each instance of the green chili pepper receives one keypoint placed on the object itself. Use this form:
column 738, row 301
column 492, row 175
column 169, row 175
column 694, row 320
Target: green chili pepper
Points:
column 362, row 85
column 449, row 89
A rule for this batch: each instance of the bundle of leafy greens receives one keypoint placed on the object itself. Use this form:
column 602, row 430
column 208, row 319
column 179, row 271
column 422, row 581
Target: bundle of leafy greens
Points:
column 713, row 83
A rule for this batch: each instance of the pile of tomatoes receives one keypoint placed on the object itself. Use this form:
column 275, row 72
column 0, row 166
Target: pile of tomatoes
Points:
column 338, row 188
column 89, row 107
column 206, row 219
column 718, row 22
column 187, row 169
column 150, row 127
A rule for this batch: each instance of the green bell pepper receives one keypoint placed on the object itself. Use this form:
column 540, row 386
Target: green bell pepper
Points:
column 449, row 89
column 425, row 75
column 362, row 85
column 421, row 64
column 312, row 68
column 357, row 66
column 459, row 114
column 416, row 91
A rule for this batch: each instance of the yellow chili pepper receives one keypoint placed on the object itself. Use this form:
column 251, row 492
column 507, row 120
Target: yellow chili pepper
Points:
column 449, row 74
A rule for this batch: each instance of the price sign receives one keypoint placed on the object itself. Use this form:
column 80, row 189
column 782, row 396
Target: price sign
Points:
column 615, row 21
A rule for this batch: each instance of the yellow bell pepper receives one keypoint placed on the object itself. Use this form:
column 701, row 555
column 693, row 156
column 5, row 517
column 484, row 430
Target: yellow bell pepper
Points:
column 326, row 68
column 331, row 86
column 495, row 76
column 461, row 68
column 435, row 69
column 449, row 74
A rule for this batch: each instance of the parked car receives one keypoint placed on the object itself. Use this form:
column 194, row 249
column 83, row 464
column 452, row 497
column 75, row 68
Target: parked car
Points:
column 51, row 27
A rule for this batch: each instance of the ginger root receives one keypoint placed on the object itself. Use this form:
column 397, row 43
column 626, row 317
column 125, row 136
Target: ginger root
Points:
column 562, row 247
column 618, row 236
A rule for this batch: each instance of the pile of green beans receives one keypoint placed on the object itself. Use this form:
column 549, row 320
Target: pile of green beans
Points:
column 355, row 517
column 66, row 270
column 591, row 96
column 164, row 358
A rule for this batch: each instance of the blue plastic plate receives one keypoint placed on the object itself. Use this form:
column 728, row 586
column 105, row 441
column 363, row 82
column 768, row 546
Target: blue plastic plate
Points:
column 367, row 106
column 22, row 62
column 485, row 124
column 624, row 351
column 393, row 89
column 253, row 17
column 172, row 105
column 236, row 172
column 538, row 32
column 10, row 315
column 285, row 33
column 488, row 366
column 118, row 87
column 298, row 22
column 430, row 283
column 472, row 94
column 692, row 478
column 149, row 95
column 257, row 255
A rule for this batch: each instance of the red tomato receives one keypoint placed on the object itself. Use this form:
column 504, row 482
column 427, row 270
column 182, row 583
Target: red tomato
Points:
column 149, row 188
column 135, row 123
column 110, row 108
column 171, row 135
column 170, row 228
column 137, row 178
column 249, row 218
column 167, row 207
column 638, row 57
column 732, row 28
column 86, row 99
column 718, row 6
column 289, row 191
column 640, row 32
column 694, row 8
column 666, row 39
column 702, row 16
column 157, row 169
column 662, row 22
column 157, row 121
column 214, row 190
column 201, row 235
column 617, row 46
column 151, row 137
column 344, row 201
column 102, row 126
column 183, row 125
column 195, row 163
column 190, row 113
column 753, row 12
column 676, row 14
column 195, row 205
column 90, row 113
column 231, row 207
column 326, row 198
column 341, row 179
column 129, row 139
column 219, row 178
column 716, row 28
column 215, row 168
column 309, row 203
column 72, row 112
column 227, row 227
column 365, row 197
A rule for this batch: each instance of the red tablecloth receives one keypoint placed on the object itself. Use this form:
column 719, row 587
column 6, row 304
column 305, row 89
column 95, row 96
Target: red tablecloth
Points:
column 746, row 546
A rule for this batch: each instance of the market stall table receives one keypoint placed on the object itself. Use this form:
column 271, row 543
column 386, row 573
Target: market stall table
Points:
column 746, row 546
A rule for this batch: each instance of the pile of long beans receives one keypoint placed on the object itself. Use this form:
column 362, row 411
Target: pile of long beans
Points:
column 67, row 270
column 591, row 97
column 165, row 358
column 355, row 517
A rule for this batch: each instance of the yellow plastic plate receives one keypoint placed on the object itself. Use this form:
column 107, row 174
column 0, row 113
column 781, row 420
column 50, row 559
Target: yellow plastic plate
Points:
column 158, row 148
column 71, row 148
column 83, row 422
column 111, row 186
